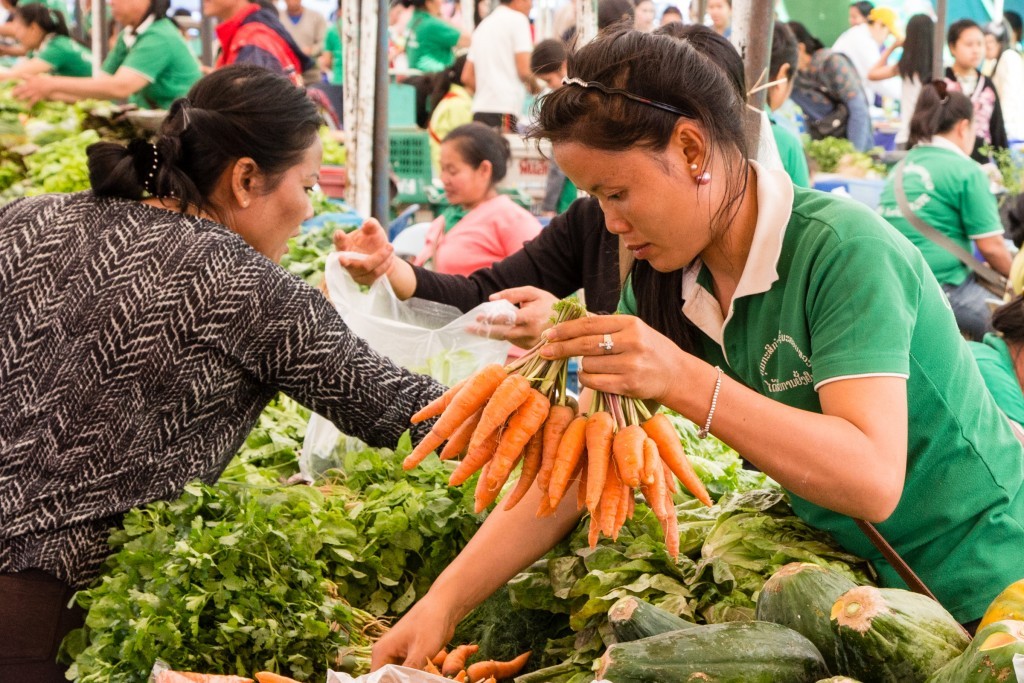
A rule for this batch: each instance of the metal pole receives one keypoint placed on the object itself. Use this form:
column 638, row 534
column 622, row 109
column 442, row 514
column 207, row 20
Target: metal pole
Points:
column 79, row 22
column 702, row 10
column 586, row 21
column 381, row 151
column 366, row 97
column 753, row 22
column 940, row 39
column 98, row 51
column 350, row 89
column 206, row 35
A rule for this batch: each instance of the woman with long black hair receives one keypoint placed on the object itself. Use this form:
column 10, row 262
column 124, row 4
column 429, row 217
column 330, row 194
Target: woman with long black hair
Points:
column 914, row 68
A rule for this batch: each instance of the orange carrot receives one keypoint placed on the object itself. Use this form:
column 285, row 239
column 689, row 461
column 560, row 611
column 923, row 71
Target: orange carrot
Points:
column 581, row 490
column 625, row 495
column 632, row 505
column 672, row 454
column 651, row 460
column 600, row 432
column 594, row 533
column 559, row 418
column 459, row 440
column 457, row 659
column 439, row 658
column 474, row 394
column 531, row 465
column 476, row 457
column 524, row 423
column 671, row 526
column 628, row 448
column 509, row 395
column 610, row 501
column 484, row 494
column 438, row 405
column 671, row 483
column 545, row 509
column 570, row 450
column 658, row 493
column 498, row 670
column 431, row 668
column 270, row 677
column 461, row 676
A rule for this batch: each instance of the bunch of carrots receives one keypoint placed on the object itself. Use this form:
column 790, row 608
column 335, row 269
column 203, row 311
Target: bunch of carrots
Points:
column 453, row 665
column 503, row 415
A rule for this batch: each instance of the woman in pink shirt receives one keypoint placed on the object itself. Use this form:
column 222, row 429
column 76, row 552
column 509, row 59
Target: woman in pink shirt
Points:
column 481, row 226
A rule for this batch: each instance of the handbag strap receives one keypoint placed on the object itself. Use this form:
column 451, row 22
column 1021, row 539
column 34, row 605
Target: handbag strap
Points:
column 908, row 575
column 980, row 269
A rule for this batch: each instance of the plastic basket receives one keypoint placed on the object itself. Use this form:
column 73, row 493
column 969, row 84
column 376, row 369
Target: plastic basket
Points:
column 401, row 105
column 410, row 162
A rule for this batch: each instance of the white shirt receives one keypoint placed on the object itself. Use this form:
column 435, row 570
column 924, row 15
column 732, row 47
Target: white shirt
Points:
column 857, row 44
column 502, row 35
column 1008, row 79
column 908, row 102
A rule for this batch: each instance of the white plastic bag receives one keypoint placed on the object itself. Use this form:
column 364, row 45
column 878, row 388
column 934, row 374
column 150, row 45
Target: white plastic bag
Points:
column 391, row 673
column 422, row 336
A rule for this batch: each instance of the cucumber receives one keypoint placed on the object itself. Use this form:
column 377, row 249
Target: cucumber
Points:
column 632, row 619
column 800, row 595
column 888, row 635
column 989, row 659
column 736, row 652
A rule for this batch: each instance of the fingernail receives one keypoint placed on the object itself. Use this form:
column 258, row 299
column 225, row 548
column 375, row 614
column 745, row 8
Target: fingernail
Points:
column 547, row 352
column 549, row 334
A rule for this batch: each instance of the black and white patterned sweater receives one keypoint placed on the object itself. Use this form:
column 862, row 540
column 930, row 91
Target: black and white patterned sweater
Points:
column 137, row 349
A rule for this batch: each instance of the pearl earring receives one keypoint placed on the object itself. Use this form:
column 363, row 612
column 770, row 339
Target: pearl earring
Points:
column 693, row 167
column 704, row 178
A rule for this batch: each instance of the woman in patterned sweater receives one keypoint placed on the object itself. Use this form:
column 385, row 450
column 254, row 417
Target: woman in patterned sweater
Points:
column 143, row 327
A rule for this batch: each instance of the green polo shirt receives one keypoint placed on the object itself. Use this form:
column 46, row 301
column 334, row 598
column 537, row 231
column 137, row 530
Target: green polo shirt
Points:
column 160, row 55
column 996, row 366
column 831, row 292
column 950, row 192
column 431, row 42
column 65, row 57
column 792, row 154
column 332, row 44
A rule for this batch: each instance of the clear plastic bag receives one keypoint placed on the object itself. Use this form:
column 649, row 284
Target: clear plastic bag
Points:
column 422, row 336
column 391, row 673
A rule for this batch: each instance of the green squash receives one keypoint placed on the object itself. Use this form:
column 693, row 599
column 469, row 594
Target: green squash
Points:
column 800, row 596
column 989, row 659
column 736, row 652
column 887, row 635
column 632, row 619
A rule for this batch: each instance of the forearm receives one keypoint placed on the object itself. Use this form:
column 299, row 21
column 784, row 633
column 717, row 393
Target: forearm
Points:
column 822, row 458
column 998, row 257
column 507, row 543
column 87, row 88
column 402, row 277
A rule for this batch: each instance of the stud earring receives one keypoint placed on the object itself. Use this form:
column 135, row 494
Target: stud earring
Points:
column 693, row 167
column 704, row 178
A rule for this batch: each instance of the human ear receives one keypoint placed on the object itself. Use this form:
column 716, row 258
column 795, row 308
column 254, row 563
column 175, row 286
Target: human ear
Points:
column 245, row 177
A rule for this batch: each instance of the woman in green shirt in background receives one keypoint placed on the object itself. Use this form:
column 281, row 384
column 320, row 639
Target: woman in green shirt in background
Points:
column 1000, row 358
column 44, row 34
column 431, row 40
column 150, row 65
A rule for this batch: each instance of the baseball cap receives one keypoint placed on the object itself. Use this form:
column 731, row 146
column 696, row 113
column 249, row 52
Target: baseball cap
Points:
column 886, row 17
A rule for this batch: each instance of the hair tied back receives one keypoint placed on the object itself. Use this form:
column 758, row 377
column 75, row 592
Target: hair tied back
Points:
column 941, row 89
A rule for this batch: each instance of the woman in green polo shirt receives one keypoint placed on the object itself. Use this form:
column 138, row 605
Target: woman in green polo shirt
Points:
column 947, row 189
column 44, row 34
column 1000, row 358
column 150, row 65
column 796, row 326
column 431, row 42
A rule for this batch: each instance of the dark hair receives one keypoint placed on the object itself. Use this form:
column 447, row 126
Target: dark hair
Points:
column 672, row 9
column 478, row 143
column 442, row 82
column 418, row 4
column 712, row 44
column 159, row 8
column 1008, row 320
column 957, row 28
column 611, row 12
column 51, row 21
column 938, row 110
column 226, row 115
column 685, row 79
column 548, row 55
column 804, row 37
column 1014, row 20
column 784, row 51
column 917, row 49
column 863, row 7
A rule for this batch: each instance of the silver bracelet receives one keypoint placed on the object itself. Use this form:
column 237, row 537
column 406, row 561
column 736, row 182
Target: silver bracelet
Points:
column 703, row 432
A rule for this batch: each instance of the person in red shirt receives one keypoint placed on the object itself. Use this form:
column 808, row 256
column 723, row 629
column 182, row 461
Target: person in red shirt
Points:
column 249, row 34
